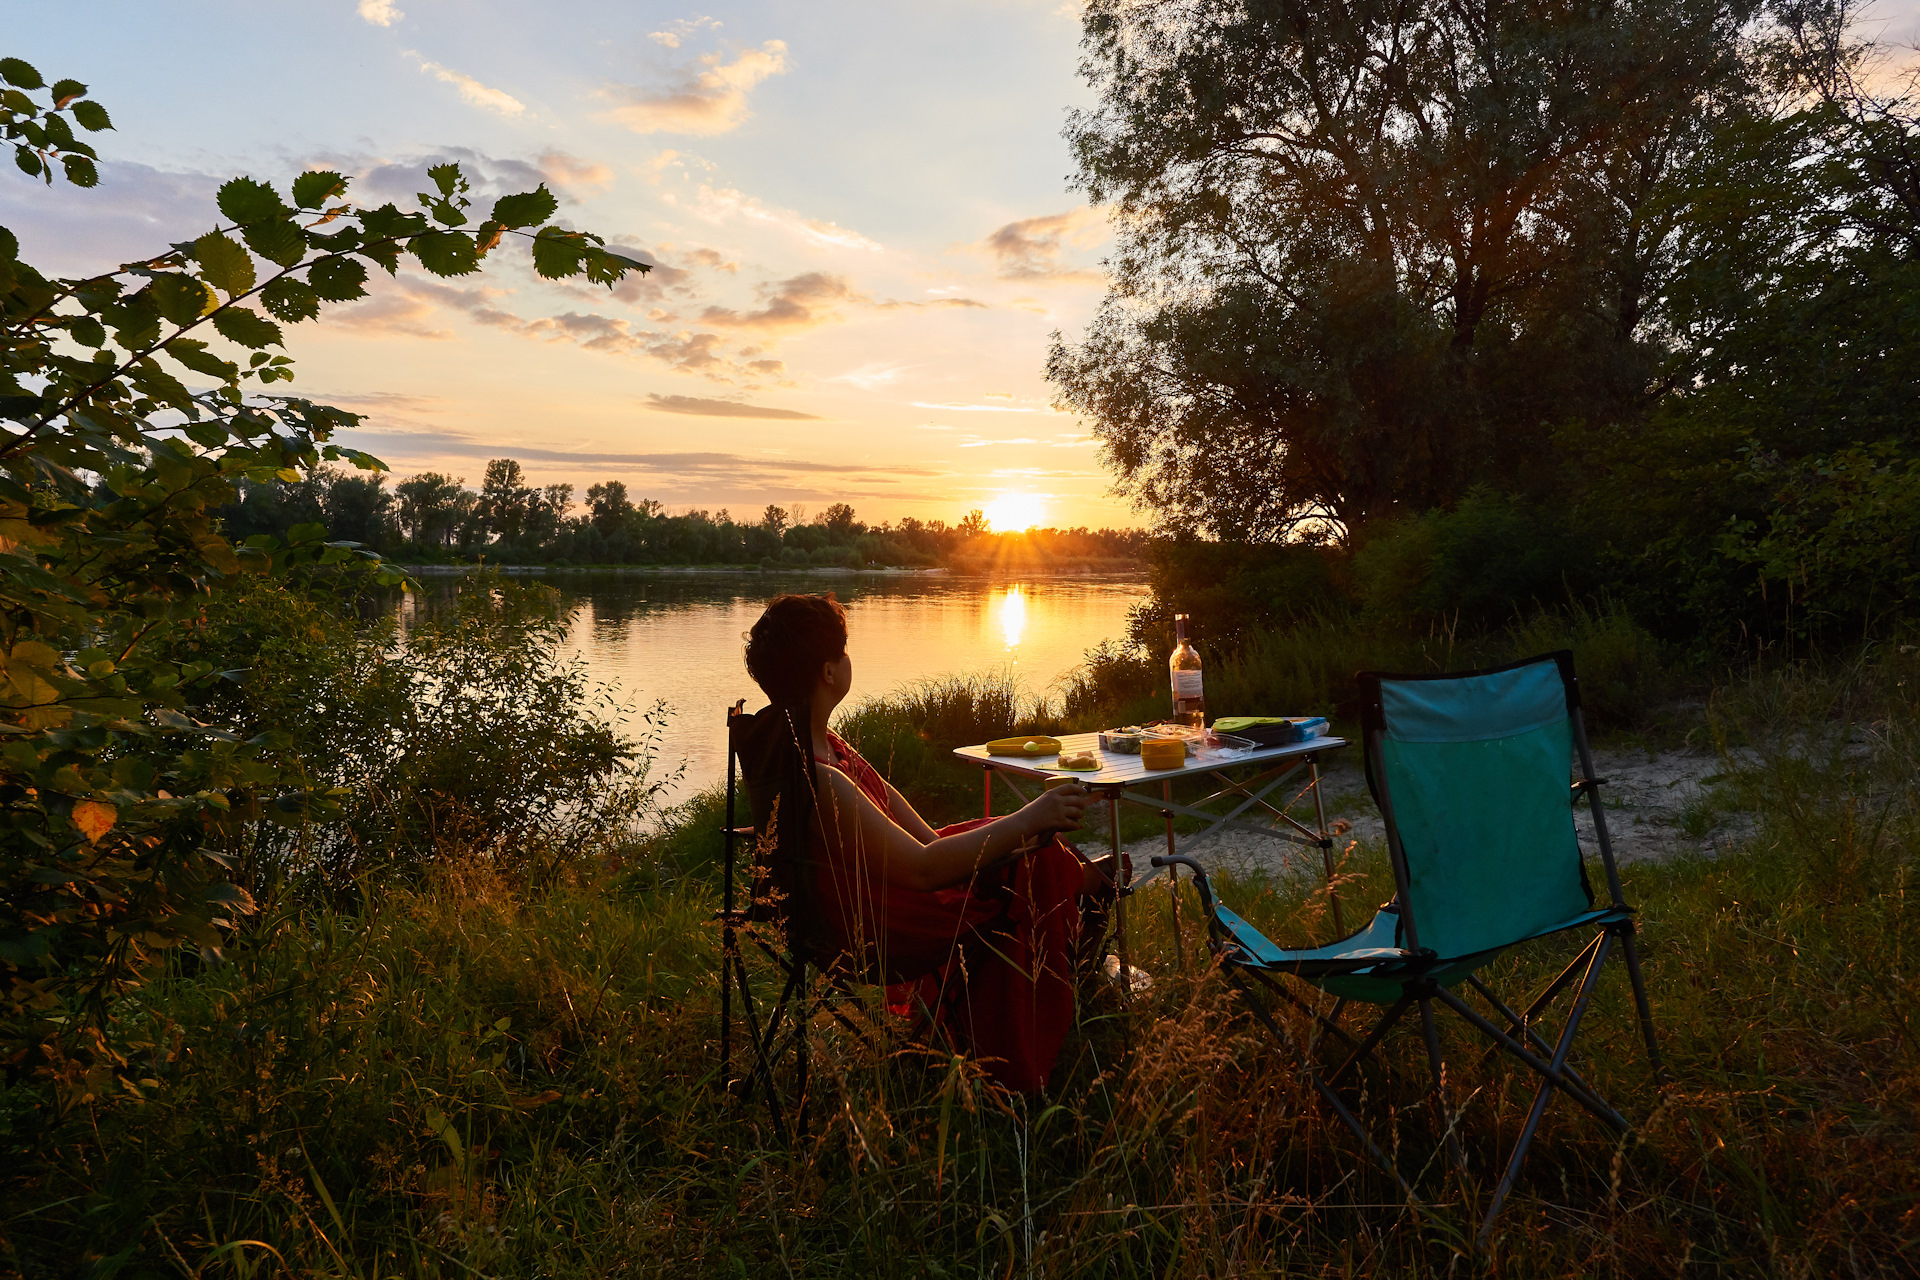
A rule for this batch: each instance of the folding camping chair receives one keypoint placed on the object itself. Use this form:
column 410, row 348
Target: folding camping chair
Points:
column 1471, row 772
column 768, row 749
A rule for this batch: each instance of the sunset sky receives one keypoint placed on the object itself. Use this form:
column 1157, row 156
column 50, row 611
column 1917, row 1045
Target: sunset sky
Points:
column 860, row 213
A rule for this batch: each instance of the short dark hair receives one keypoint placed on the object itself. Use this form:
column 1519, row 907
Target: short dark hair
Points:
column 794, row 638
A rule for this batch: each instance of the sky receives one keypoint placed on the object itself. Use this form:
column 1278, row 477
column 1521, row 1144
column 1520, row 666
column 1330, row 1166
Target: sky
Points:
column 860, row 214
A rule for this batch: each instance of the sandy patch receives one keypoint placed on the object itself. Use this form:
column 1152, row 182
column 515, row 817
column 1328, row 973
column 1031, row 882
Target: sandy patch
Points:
column 1658, row 805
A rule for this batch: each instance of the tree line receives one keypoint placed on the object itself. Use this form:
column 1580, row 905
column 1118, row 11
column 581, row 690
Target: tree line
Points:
column 1617, row 296
column 436, row 518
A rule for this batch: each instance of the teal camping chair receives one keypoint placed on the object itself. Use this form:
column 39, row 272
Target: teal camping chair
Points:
column 1471, row 772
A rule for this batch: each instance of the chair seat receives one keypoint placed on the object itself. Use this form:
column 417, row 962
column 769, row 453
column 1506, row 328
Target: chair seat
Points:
column 1370, row 965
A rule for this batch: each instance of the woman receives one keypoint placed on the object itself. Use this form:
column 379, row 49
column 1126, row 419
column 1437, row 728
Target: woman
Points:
column 980, row 920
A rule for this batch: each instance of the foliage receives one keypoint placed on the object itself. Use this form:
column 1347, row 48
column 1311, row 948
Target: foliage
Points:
column 112, row 779
column 1369, row 256
column 464, row 734
column 467, row 1078
column 1486, row 561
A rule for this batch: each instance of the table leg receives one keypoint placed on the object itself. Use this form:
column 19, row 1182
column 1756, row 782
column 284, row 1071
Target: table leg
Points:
column 1120, row 899
column 1326, row 845
column 986, row 773
column 1173, row 880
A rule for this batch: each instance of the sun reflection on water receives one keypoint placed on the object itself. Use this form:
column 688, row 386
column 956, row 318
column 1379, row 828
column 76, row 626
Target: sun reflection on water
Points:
column 1012, row 608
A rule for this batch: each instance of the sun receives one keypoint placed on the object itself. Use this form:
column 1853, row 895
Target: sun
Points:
column 1015, row 512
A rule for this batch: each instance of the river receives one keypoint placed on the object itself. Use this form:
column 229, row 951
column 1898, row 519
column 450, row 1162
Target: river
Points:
column 677, row 637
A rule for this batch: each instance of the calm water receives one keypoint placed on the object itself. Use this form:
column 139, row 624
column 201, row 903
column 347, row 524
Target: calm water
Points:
column 677, row 637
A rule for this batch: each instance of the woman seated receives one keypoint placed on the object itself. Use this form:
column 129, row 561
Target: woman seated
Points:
column 979, row 922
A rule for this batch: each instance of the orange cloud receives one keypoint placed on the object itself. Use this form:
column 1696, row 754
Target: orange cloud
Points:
column 1031, row 248
column 708, row 101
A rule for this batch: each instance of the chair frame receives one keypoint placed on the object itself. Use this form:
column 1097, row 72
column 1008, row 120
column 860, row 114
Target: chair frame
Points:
column 801, row 972
column 1425, row 977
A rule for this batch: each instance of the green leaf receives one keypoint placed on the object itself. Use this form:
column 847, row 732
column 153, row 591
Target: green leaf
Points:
column 246, row 202
column 29, row 162
column 248, row 328
column 291, row 300
column 193, row 353
column 445, row 176
column 87, row 331
column 278, row 242
column 65, row 91
column 446, row 214
column 224, row 264
column 445, row 253
column 528, row 209
column 21, row 74
column 317, row 186
column 557, row 253
column 181, row 298
column 9, row 246
column 92, row 116
column 80, row 171
column 338, row 279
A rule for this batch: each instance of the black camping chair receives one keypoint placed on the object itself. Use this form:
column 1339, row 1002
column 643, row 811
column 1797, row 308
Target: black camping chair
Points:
column 1471, row 772
column 770, row 751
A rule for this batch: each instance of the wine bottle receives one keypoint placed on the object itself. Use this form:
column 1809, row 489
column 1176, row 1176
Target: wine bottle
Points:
column 1189, row 700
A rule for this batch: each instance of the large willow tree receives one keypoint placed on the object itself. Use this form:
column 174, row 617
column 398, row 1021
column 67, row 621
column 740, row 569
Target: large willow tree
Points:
column 1373, row 254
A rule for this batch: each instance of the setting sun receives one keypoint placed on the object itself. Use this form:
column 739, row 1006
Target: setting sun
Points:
column 1015, row 512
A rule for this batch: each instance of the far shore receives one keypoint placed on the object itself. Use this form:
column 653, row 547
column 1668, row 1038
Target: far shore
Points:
column 708, row 570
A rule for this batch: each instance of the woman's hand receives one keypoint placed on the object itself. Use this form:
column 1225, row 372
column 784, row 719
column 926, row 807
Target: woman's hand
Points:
column 1058, row 809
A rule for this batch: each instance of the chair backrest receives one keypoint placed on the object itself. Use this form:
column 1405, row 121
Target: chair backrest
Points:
column 1472, row 772
column 774, row 749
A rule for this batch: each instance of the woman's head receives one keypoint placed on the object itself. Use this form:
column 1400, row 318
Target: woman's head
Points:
column 792, row 643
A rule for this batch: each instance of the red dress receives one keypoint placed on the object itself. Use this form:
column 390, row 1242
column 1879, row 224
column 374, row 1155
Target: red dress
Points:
column 992, row 959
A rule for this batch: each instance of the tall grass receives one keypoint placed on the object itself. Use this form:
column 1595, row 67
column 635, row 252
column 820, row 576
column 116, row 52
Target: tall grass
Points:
column 473, row 1077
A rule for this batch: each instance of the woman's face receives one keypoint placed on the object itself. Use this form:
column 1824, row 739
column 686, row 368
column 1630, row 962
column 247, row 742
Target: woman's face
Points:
column 838, row 676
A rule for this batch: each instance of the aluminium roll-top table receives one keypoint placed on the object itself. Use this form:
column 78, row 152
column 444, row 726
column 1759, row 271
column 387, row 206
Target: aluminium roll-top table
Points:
column 1246, row 779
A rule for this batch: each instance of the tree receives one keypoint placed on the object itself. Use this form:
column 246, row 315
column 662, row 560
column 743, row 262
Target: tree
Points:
column 111, row 783
column 840, row 523
column 359, row 509
column 608, row 506
column 773, row 518
column 1371, row 254
column 973, row 525
column 506, row 500
column 432, row 507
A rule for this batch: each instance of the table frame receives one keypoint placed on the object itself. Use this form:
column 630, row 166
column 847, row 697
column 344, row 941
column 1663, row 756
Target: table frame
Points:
column 1120, row 775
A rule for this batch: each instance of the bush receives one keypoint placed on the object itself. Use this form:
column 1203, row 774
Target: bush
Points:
column 1486, row 562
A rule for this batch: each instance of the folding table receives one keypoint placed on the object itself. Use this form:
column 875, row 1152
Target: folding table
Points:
column 1245, row 780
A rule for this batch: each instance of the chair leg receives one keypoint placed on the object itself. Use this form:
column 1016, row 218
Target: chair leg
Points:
column 802, row 1024
column 727, row 957
column 1627, row 945
column 1259, row 1010
column 1574, row 1015
column 1438, row 1067
column 1365, row 1048
column 1552, row 1074
column 763, row 1070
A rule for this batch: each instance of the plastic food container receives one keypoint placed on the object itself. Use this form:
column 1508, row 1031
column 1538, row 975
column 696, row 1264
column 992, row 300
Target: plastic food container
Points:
column 1124, row 741
column 1163, row 753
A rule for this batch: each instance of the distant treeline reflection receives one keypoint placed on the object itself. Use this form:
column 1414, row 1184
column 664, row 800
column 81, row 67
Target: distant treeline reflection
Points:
column 435, row 518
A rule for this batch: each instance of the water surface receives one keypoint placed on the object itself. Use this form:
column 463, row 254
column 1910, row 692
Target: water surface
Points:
column 678, row 638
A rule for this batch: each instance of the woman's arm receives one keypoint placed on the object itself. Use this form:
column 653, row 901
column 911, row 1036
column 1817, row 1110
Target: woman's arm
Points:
column 903, row 813
column 856, row 827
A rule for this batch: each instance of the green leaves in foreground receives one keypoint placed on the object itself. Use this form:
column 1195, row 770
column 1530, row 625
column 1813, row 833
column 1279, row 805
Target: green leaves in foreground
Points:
column 115, row 768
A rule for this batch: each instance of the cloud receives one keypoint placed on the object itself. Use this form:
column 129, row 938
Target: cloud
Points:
column 975, row 408
column 722, row 408
column 1030, row 249
column 708, row 101
column 723, row 204
column 380, row 13
column 471, row 90
column 713, row 260
column 804, row 301
column 570, row 173
column 735, row 466
column 869, row 376
column 680, row 30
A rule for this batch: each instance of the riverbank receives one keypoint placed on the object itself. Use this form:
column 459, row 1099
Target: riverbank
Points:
column 477, row 1074
column 779, row 571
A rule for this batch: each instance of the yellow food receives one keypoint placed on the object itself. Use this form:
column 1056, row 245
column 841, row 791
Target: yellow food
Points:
column 1037, row 744
column 1085, row 762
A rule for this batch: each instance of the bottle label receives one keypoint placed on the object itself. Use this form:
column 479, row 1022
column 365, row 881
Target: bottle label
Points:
column 1186, row 684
